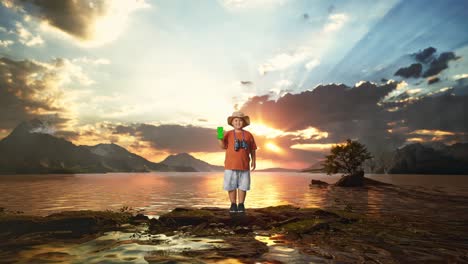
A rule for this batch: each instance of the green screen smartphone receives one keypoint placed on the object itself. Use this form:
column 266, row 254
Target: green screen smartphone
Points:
column 220, row 133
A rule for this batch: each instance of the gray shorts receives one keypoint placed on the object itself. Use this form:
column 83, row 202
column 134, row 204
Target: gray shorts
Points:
column 234, row 179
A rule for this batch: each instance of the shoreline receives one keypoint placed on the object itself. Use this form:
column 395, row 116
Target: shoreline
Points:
column 338, row 234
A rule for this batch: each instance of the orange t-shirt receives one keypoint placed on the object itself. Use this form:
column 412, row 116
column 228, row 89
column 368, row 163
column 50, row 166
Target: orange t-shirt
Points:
column 238, row 160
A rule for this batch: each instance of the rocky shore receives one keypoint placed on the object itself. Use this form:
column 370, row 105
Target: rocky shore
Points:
column 322, row 236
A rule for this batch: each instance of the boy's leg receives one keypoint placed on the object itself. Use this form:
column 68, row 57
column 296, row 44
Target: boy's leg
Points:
column 232, row 196
column 244, row 185
column 242, row 195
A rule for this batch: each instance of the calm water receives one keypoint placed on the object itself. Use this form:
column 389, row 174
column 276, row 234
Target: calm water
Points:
column 157, row 193
column 416, row 197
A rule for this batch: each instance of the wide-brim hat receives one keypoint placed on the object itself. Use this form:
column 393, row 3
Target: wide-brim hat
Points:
column 239, row 115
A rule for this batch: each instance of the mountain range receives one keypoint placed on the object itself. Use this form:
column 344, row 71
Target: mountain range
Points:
column 430, row 159
column 189, row 161
column 416, row 158
column 28, row 149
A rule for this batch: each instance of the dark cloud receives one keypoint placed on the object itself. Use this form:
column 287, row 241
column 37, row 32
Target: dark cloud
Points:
column 346, row 112
column 440, row 64
column 427, row 60
column 325, row 104
column 25, row 94
column 433, row 80
column 73, row 17
column 426, row 55
column 128, row 130
column 412, row 71
column 461, row 86
column 445, row 112
column 174, row 138
column 177, row 139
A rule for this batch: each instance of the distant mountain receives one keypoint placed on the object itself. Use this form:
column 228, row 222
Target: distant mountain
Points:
column 186, row 160
column 277, row 170
column 30, row 149
column 417, row 158
column 118, row 158
column 420, row 159
column 316, row 167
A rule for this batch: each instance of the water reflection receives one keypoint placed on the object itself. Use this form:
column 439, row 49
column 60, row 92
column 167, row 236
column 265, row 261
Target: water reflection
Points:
column 157, row 193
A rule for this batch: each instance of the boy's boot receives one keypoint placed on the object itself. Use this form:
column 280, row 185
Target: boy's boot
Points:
column 241, row 208
column 233, row 208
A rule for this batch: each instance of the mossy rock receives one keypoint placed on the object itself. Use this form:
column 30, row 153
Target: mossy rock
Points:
column 79, row 222
column 184, row 216
column 305, row 226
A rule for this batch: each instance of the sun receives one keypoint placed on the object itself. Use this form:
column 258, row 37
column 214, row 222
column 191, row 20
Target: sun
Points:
column 273, row 147
column 264, row 130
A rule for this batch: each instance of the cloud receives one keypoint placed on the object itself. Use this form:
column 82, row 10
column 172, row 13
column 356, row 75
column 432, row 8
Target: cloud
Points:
column 283, row 61
column 460, row 76
column 170, row 139
column 335, row 22
column 93, row 21
column 426, row 55
column 439, row 64
column 444, row 112
column 326, row 103
column 35, row 89
column 174, row 138
column 412, row 71
column 6, row 43
column 307, row 51
column 26, row 37
column 312, row 64
column 86, row 60
column 239, row 5
column 335, row 112
column 26, row 92
column 433, row 80
column 283, row 83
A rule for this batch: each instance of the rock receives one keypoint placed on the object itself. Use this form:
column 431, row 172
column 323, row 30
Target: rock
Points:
column 353, row 180
column 139, row 218
column 242, row 230
column 318, row 183
column 242, row 247
column 76, row 222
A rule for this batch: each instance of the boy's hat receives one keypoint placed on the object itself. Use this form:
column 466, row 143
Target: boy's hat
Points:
column 240, row 115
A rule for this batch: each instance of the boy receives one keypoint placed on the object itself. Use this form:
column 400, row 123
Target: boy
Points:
column 239, row 144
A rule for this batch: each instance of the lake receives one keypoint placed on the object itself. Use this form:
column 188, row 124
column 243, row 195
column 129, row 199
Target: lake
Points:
column 435, row 204
column 159, row 192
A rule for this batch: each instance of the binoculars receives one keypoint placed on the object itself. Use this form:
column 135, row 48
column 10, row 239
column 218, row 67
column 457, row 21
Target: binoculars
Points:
column 238, row 144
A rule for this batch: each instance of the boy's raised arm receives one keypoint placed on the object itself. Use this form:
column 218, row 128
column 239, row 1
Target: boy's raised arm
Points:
column 221, row 143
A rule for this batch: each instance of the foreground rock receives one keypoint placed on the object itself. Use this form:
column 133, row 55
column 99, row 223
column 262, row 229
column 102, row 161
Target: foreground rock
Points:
column 209, row 221
column 330, row 235
column 17, row 230
column 336, row 235
column 239, row 231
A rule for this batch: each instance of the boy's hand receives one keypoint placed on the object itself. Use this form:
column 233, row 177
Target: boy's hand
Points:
column 253, row 165
column 220, row 133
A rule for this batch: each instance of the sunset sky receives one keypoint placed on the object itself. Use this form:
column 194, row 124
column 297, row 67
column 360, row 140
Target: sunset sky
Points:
column 158, row 77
